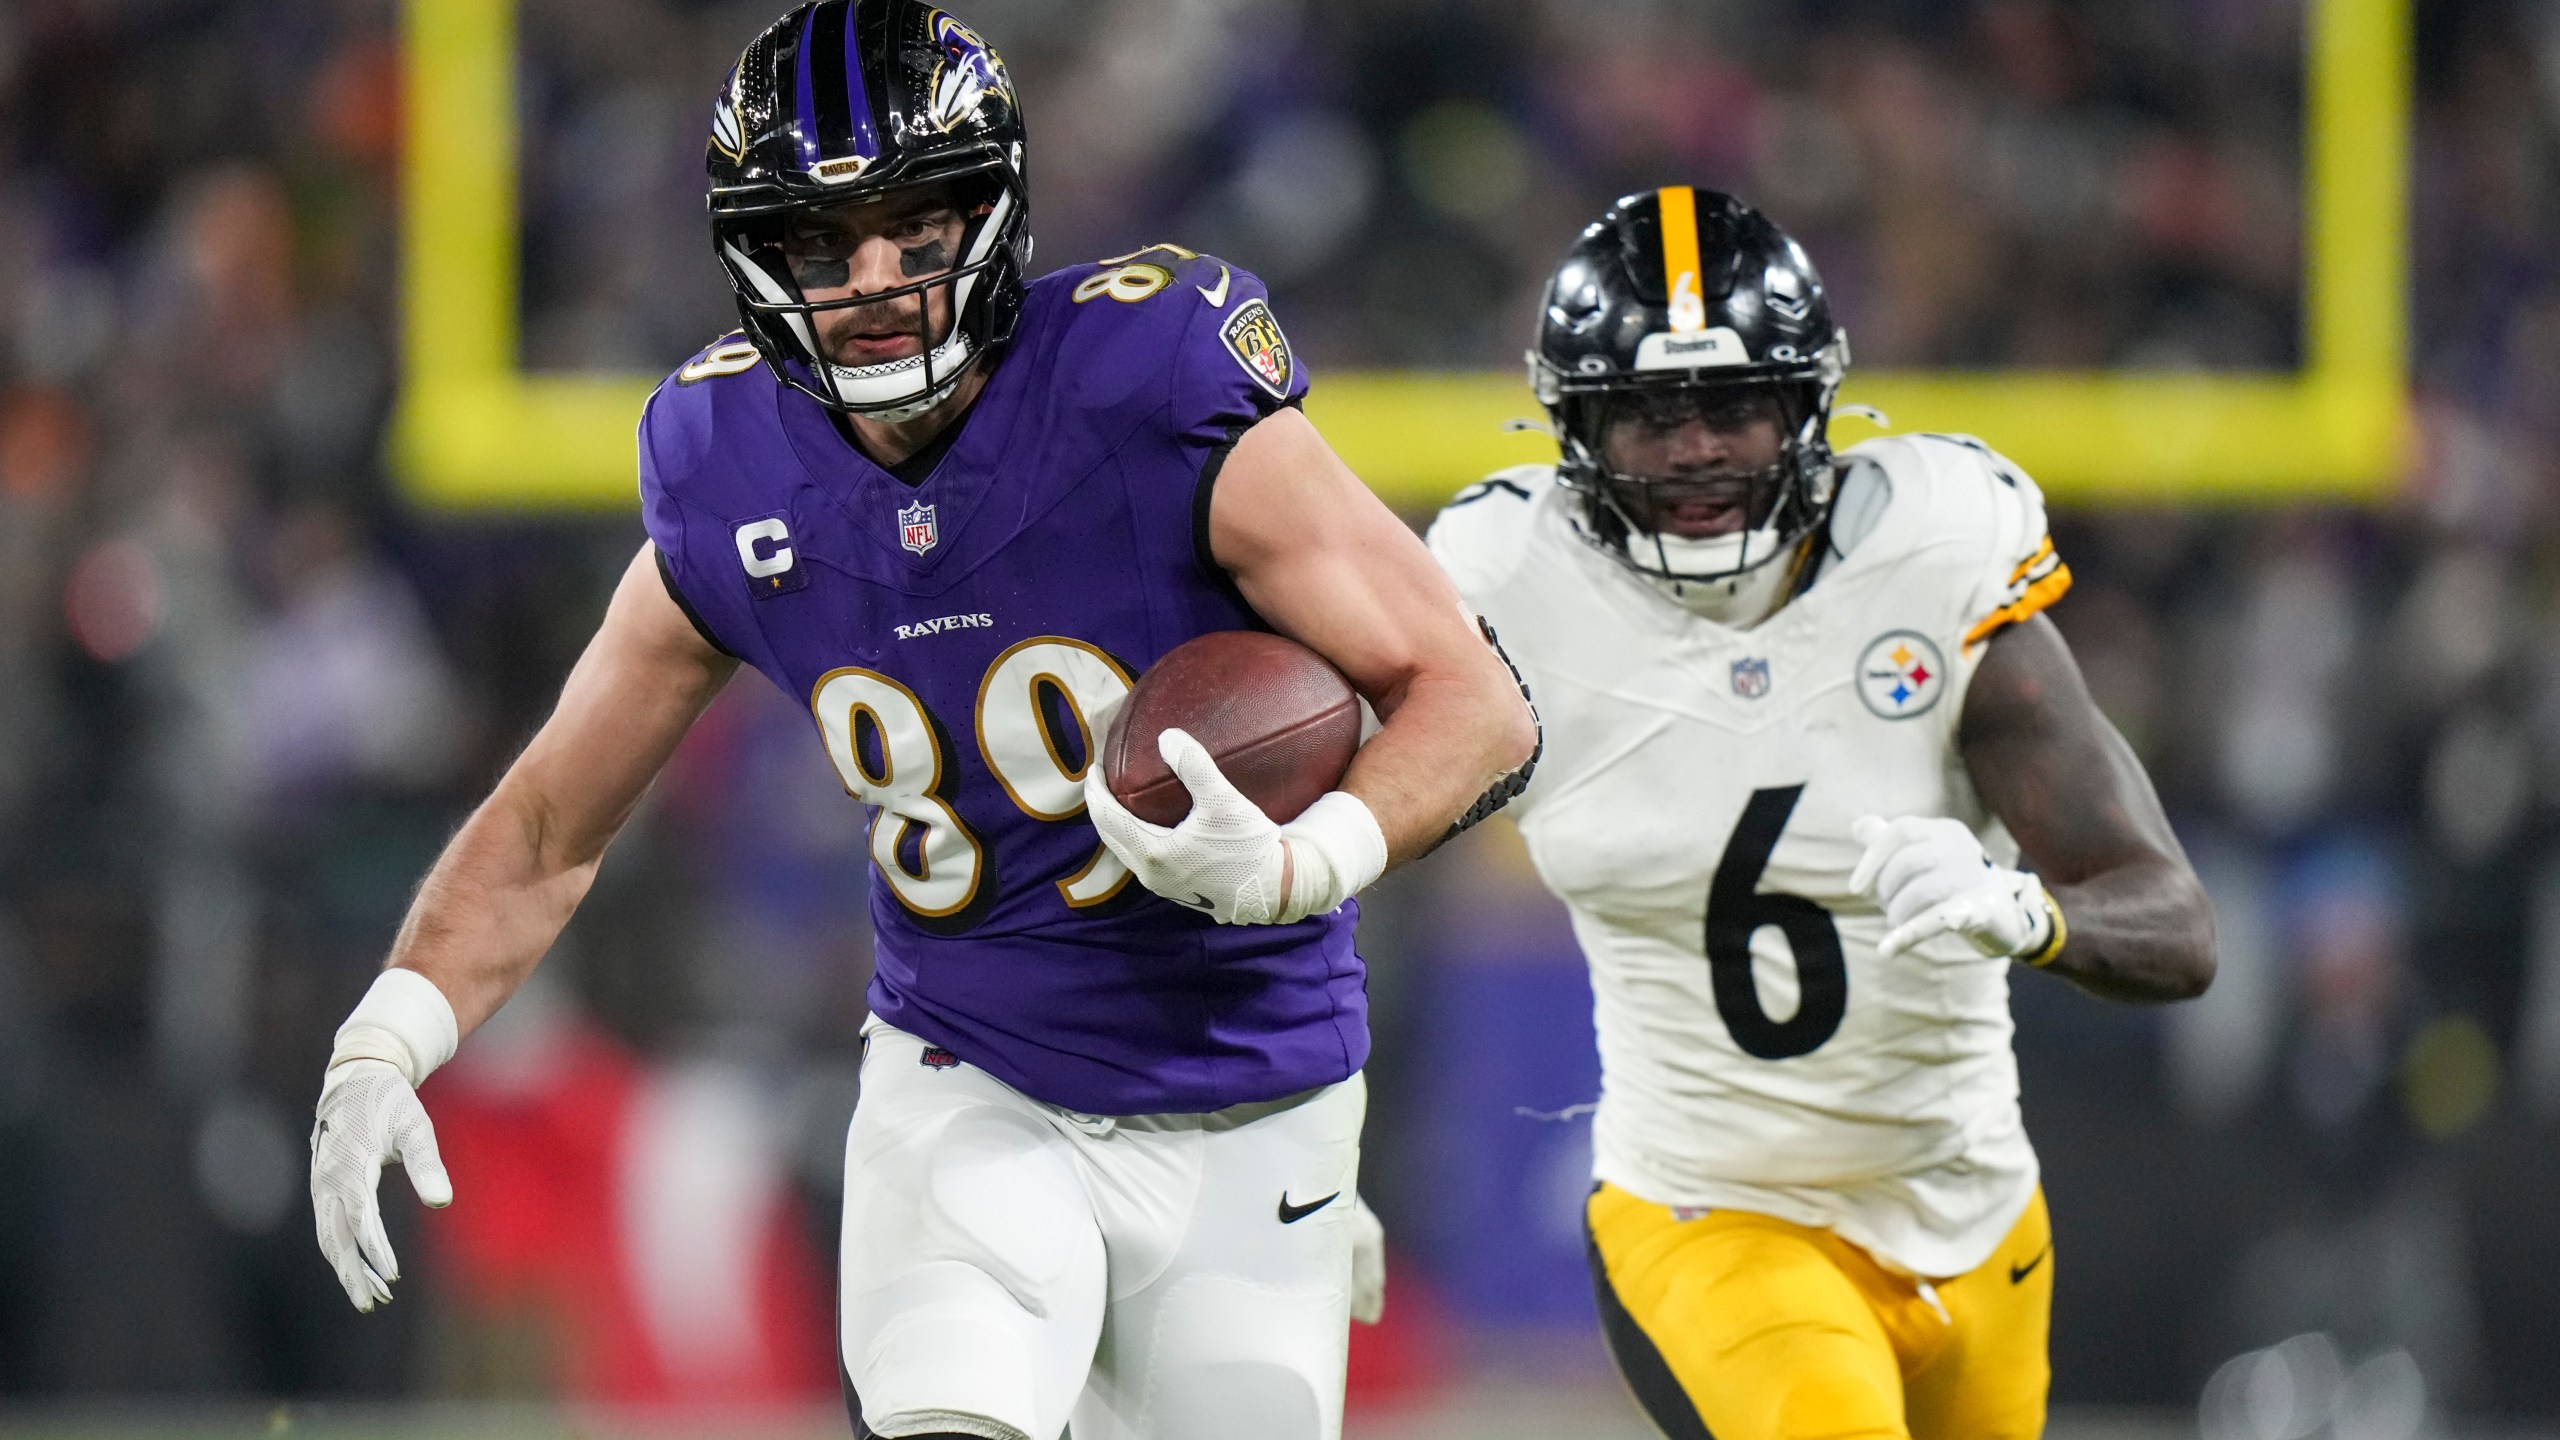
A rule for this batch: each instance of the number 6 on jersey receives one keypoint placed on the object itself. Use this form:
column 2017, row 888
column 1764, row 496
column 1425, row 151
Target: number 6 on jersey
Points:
column 1736, row 910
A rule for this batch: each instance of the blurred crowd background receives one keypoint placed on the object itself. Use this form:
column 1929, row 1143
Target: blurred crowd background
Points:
column 245, row 690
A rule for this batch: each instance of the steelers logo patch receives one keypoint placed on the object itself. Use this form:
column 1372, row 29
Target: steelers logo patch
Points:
column 1901, row 674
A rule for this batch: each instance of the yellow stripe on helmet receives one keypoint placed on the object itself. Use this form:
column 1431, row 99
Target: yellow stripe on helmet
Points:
column 1679, row 207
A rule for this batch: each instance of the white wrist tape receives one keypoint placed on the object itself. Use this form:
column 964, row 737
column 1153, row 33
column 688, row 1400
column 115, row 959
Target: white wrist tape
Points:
column 403, row 1019
column 1335, row 851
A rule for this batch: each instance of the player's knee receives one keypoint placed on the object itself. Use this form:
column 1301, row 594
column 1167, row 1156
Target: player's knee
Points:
column 1240, row 1400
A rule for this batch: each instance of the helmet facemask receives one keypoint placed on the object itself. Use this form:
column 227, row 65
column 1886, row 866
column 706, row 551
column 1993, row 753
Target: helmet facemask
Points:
column 1698, row 522
column 775, row 258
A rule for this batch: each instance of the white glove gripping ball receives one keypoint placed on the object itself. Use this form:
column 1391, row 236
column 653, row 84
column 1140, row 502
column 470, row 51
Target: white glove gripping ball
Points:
column 1227, row 859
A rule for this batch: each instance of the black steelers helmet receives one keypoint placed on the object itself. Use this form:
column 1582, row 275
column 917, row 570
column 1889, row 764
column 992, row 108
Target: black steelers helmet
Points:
column 846, row 100
column 1687, row 301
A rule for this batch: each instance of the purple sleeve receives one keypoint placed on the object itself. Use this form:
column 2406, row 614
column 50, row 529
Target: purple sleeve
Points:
column 1235, row 365
column 663, row 515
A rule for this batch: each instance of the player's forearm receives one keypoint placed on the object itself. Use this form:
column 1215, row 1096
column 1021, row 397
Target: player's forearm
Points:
column 2051, row 766
column 510, row 878
column 2140, row 932
column 1450, row 735
column 494, row 903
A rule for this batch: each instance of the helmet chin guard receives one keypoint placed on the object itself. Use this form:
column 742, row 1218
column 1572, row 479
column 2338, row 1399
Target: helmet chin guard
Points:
column 889, row 393
column 1726, row 578
column 1713, row 557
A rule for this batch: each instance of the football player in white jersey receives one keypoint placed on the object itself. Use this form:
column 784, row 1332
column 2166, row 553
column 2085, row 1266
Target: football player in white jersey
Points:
column 1803, row 718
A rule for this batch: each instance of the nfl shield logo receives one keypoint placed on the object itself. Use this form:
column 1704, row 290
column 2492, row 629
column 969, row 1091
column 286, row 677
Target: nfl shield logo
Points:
column 1750, row 678
column 916, row 529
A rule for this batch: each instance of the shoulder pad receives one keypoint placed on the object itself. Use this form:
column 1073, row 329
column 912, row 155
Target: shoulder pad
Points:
column 1159, row 278
column 1940, row 490
column 1480, row 536
column 1865, row 493
column 1188, row 335
column 1957, row 508
column 677, row 423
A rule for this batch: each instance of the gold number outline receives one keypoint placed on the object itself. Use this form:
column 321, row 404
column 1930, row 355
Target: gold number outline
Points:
column 891, row 868
column 1102, row 861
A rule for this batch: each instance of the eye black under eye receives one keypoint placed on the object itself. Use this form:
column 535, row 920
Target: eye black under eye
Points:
column 821, row 272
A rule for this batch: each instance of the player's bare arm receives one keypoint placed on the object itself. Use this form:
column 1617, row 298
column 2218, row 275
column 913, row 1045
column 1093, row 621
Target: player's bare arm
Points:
column 1320, row 557
column 510, row 878
column 494, row 903
column 2046, row 761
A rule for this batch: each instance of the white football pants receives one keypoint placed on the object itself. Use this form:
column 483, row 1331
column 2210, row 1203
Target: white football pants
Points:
column 1009, row 1267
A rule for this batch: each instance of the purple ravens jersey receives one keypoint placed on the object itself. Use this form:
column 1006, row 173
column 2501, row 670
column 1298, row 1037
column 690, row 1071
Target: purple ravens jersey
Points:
column 954, row 639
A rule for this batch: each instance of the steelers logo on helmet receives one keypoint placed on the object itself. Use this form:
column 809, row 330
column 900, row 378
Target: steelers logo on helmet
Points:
column 1901, row 674
column 846, row 104
column 1682, row 306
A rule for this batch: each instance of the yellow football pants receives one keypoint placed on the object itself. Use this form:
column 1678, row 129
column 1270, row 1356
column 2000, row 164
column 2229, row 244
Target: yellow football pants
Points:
column 1737, row 1326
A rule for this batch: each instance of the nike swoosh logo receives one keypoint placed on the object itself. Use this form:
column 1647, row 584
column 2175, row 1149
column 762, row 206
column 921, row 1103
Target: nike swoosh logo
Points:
column 2021, row 1272
column 1217, row 296
column 1292, row 1214
column 1197, row 901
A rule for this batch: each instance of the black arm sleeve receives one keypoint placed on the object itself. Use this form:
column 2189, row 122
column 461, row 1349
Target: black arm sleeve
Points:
column 1512, row 784
column 1206, row 488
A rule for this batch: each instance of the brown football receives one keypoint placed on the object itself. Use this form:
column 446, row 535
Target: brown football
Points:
column 1280, row 721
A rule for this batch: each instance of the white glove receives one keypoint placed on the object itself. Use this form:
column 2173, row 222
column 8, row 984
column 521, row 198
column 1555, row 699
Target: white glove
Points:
column 1930, row 876
column 1368, row 1263
column 1227, row 859
column 369, row 1113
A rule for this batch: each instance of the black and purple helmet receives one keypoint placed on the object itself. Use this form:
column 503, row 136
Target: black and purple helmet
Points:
column 844, row 100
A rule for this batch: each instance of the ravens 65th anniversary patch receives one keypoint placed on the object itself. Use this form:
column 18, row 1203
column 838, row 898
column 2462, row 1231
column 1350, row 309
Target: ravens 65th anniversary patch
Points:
column 1254, row 338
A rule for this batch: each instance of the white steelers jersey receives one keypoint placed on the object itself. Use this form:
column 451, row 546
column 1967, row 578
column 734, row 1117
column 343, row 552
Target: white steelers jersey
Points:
column 1693, row 810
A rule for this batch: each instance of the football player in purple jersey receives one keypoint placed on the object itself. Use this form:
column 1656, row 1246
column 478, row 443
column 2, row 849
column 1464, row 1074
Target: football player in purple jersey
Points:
column 1103, row 1164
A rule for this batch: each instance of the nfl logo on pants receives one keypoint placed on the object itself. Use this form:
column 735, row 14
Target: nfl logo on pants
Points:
column 915, row 527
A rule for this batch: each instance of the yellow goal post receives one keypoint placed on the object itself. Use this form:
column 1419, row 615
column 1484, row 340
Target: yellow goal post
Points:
column 475, row 432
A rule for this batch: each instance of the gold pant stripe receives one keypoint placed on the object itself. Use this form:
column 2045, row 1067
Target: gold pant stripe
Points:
column 1776, row 1331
